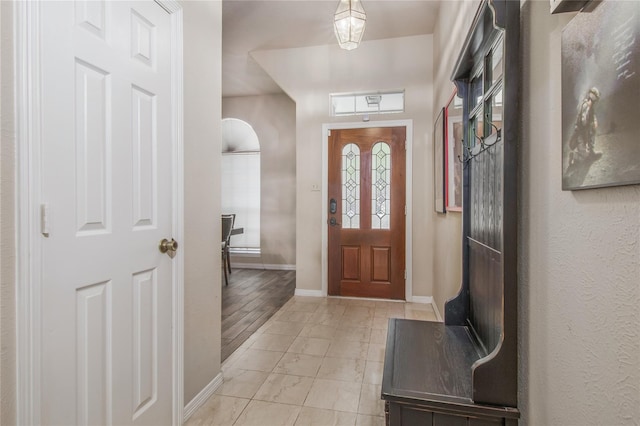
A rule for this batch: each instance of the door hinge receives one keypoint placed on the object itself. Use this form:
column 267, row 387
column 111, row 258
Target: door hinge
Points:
column 44, row 219
column 329, row 132
column 405, row 209
column 405, row 145
column 405, row 274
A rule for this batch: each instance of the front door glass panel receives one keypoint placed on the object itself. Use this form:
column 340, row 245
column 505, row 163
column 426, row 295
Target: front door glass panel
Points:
column 351, row 186
column 381, row 186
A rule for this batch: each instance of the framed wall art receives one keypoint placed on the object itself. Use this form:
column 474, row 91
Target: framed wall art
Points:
column 439, row 189
column 601, row 96
column 454, row 154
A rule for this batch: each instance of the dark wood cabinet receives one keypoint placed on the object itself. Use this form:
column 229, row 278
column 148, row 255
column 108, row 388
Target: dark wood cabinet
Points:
column 427, row 377
column 418, row 416
column 464, row 371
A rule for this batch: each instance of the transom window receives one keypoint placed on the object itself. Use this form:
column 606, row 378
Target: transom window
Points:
column 343, row 104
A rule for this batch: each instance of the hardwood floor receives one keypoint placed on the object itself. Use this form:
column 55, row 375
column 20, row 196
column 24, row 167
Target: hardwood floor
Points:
column 250, row 299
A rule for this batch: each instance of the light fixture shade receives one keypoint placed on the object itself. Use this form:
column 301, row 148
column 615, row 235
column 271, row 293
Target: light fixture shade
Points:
column 349, row 22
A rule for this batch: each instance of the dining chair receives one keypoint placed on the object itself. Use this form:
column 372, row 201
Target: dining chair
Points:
column 233, row 225
column 227, row 226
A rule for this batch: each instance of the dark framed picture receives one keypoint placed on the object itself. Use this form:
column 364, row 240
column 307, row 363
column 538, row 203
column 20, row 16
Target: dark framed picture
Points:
column 601, row 96
column 453, row 153
column 438, row 163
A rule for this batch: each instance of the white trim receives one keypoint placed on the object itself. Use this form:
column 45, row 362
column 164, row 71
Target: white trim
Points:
column 409, row 217
column 265, row 266
column 174, row 8
column 29, row 248
column 279, row 267
column 171, row 6
column 437, row 312
column 309, row 293
column 408, row 124
column 26, row 20
column 202, row 397
column 427, row 300
column 372, row 299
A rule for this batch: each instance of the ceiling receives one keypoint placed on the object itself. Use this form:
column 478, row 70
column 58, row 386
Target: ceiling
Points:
column 250, row 25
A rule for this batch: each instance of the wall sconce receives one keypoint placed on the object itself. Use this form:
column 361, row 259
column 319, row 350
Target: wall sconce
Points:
column 349, row 22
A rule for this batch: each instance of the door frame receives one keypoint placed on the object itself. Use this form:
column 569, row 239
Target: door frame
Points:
column 26, row 20
column 326, row 128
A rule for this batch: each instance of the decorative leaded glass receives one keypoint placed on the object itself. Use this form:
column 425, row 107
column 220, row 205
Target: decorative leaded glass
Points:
column 381, row 186
column 351, row 186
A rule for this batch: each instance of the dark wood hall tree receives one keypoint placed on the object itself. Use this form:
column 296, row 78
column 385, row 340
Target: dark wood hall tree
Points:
column 465, row 370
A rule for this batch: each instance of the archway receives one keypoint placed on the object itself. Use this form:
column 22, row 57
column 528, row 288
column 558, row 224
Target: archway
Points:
column 240, row 168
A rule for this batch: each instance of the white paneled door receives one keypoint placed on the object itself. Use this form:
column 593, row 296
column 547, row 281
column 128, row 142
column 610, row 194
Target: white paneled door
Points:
column 107, row 175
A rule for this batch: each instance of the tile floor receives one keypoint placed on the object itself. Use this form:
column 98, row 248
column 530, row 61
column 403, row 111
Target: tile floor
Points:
column 317, row 361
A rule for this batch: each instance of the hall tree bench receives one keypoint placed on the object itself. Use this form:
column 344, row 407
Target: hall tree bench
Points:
column 464, row 371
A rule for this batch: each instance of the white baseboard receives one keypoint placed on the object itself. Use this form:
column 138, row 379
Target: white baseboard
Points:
column 266, row 266
column 308, row 293
column 370, row 299
column 437, row 312
column 427, row 300
column 279, row 267
column 202, row 397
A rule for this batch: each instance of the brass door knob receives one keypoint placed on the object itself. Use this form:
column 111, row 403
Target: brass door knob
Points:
column 169, row 247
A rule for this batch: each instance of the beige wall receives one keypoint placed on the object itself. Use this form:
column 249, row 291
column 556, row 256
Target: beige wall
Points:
column 7, row 221
column 579, row 263
column 449, row 35
column 202, row 138
column 308, row 76
column 273, row 117
column 579, row 252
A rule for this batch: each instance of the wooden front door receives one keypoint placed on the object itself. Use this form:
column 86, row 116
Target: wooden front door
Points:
column 367, row 212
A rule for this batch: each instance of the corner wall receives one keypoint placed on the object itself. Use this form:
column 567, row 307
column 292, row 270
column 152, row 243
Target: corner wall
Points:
column 202, row 142
column 273, row 117
column 579, row 263
column 451, row 30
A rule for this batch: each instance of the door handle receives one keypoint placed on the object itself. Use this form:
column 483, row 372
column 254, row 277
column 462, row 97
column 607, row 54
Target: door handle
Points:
column 333, row 206
column 168, row 247
column 333, row 222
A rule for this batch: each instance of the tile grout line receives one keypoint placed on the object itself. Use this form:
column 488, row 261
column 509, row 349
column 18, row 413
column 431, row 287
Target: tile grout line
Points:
column 262, row 331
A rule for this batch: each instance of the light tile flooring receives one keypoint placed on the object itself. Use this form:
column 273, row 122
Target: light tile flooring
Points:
column 317, row 361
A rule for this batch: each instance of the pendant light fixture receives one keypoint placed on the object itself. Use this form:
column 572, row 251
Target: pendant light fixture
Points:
column 349, row 22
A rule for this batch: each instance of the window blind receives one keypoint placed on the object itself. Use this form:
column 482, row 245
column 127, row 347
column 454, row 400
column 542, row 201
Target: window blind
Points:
column 241, row 195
